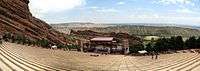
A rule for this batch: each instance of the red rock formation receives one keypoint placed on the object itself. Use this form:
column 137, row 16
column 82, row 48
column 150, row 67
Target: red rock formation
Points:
column 15, row 17
column 88, row 34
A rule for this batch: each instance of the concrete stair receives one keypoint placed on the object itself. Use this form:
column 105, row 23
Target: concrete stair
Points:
column 11, row 61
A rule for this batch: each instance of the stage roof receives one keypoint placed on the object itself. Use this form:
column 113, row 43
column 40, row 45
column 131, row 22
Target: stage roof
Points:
column 102, row 39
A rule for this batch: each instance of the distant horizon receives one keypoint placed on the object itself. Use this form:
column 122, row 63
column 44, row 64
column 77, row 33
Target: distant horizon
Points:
column 168, row 24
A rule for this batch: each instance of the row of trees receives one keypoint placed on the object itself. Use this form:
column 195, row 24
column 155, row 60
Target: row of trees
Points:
column 21, row 39
column 193, row 42
column 168, row 44
column 18, row 38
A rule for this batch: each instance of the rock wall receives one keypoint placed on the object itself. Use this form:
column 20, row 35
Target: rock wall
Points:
column 16, row 18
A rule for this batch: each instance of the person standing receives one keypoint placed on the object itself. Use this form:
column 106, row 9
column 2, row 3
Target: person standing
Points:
column 156, row 55
column 152, row 54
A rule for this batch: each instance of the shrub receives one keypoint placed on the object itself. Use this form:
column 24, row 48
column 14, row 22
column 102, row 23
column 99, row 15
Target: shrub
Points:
column 150, row 47
column 191, row 42
column 7, row 36
column 29, row 42
column 43, row 43
column 162, row 44
column 18, row 39
column 198, row 42
column 179, row 43
column 72, row 46
column 135, row 48
column 0, row 41
column 61, row 46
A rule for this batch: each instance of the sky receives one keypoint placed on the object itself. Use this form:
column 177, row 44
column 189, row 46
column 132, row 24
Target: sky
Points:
column 182, row 12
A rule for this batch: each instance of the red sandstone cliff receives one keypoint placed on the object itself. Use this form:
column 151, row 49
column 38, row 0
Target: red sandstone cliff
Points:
column 15, row 17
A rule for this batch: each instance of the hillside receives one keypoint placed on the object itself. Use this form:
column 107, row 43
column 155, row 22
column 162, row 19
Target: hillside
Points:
column 152, row 30
column 139, row 30
column 16, row 18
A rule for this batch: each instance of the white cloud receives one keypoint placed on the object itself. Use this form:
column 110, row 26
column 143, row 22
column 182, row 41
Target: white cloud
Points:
column 145, row 16
column 165, row 18
column 185, row 10
column 94, row 7
column 107, row 10
column 40, row 7
column 121, row 3
column 177, row 2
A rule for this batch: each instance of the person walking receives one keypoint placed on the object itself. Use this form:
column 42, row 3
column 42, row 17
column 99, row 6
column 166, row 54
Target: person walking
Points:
column 156, row 55
column 152, row 54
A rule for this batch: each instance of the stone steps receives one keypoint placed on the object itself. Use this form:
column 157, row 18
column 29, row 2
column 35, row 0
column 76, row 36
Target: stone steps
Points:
column 191, row 67
column 44, row 67
column 20, row 64
column 182, row 63
column 4, row 66
column 21, row 61
column 174, row 63
column 153, row 66
column 186, row 65
column 11, row 59
column 9, row 63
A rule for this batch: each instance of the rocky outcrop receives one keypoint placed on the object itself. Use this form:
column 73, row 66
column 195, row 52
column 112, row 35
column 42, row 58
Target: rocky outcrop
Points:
column 88, row 34
column 16, row 18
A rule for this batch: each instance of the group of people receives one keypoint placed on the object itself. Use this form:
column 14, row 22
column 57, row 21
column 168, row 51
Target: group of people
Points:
column 154, row 55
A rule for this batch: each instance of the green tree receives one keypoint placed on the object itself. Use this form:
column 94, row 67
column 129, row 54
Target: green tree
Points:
column 29, row 42
column 13, row 39
column 172, row 43
column 198, row 42
column 43, row 43
column 72, row 46
column 23, row 40
column 135, row 48
column 176, row 43
column 162, row 44
column 61, row 46
column 191, row 42
column 150, row 47
column 179, row 43
column 7, row 36
column 18, row 38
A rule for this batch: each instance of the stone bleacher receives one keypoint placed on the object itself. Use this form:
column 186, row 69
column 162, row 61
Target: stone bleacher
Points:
column 21, row 57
